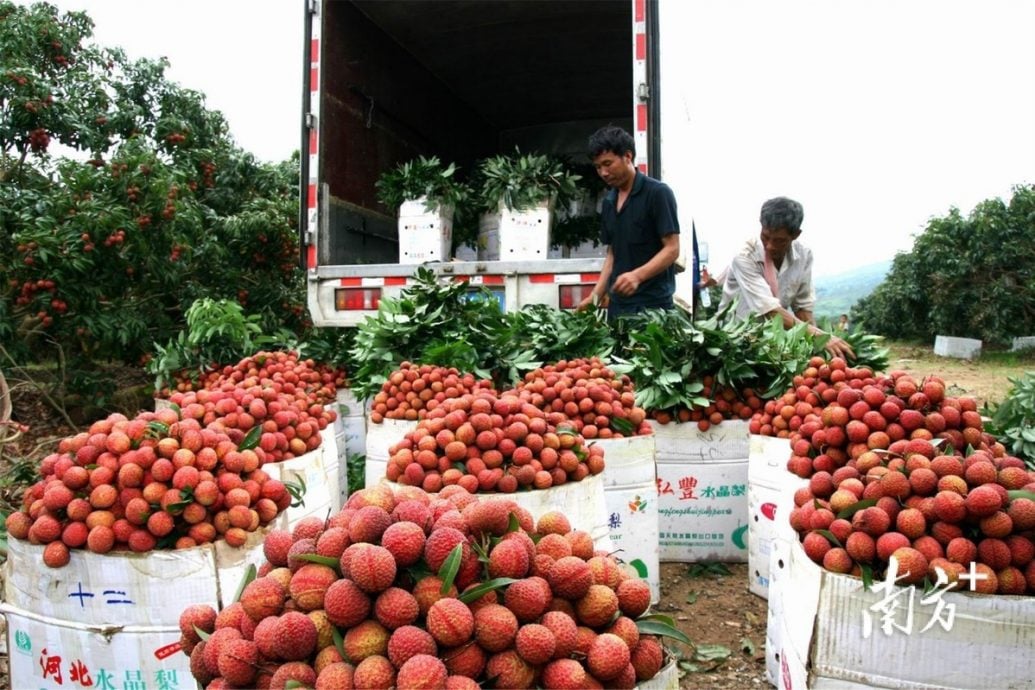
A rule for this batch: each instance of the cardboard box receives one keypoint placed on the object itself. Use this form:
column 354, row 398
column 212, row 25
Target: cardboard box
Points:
column 818, row 626
column 703, row 511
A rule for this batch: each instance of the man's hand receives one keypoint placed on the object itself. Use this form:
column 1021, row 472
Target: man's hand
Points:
column 839, row 348
column 592, row 302
column 626, row 284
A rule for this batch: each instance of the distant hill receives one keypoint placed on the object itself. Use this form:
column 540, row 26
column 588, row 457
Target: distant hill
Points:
column 835, row 294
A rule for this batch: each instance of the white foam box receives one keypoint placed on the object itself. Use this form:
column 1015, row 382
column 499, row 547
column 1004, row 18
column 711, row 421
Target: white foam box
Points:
column 307, row 469
column 630, row 479
column 687, row 443
column 334, row 466
column 424, row 234
column 822, row 641
column 127, row 589
column 381, row 437
column 768, row 482
column 351, row 422
column 633, row 527
column 667, row 679
column 525, row 235
column 51, row 654
column 489, row 237
column 959, row 348
column 703, row 511
column 1023, row 343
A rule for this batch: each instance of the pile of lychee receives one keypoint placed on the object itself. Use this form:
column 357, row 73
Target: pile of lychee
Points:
column 153, row 482
column 597, row 402
column 283, row 398
column 413, row 390
column 725, row 402
column 409, row 590
column 930, row 510
column 486, row 443
column 836, row 414
column 280, row 370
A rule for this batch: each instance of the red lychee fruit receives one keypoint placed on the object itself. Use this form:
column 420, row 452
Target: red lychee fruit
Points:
column 450, row 622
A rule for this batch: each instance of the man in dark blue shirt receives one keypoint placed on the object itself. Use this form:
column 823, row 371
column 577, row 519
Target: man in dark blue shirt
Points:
column 639, row 227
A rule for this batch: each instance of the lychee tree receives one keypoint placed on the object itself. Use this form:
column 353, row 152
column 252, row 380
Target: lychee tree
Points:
column 154, row 206
column 970, row 276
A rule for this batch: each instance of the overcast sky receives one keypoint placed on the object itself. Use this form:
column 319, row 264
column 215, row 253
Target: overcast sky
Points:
column 875, row 114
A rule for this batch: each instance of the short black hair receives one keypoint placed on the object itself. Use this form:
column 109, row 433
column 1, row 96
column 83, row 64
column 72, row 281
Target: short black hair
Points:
column 613, row 139
column 782, row 213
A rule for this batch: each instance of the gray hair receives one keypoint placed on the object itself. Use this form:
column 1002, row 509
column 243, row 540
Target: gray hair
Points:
column 782, row 213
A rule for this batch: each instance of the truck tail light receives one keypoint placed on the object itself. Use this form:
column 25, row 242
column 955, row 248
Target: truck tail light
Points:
column 570, row 296
column 356, row 299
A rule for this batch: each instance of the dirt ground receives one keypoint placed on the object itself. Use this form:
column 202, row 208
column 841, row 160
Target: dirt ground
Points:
column 709, row 602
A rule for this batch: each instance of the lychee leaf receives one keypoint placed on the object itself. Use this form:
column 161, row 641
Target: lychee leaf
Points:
column 654, row 627
column 867, row 575
column 829, row 537
column 176, row 408
column 450, row 567
column 251, row 439
column 187, row 493
column 201, row 633
column 660, row 617
column 851, row 510
column 1020, row 493
column 477, row 592
column 177, row 508
column 339, row 641
column 513, row 524
column 321, row 560
column 622, row 426
column 155, row 428
column 292, row 684
column 249, row 574
column 297, row 491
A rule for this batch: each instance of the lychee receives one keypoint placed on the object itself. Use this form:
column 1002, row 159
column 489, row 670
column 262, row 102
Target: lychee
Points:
column 309, row 585
column 647, row 658
column 409, row 641
column 570, row 577
column 495, row 627
column 405, row 541
column 510, row 670
column 564, row 674
column 535, row 643
column 346, row 604
column 450, row 622
column 369, row 638
column 422, row 672
column 395, row 607
column 598, row 607
column 608, row 657
column 294, row 638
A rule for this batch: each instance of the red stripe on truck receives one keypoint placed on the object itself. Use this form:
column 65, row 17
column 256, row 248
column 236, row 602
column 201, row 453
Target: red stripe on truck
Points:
column 641, row 117
column 351, row 282
column 590, row 277
column 311, row 196
column 314, row 78
column 313, row 147
column 311, row 257
column 314, row 51
column 641, row 10
column 641, row 46
column 541, row 278
column 398, row 280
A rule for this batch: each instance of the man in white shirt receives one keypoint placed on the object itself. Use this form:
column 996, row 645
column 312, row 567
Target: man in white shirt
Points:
column 772, row 274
